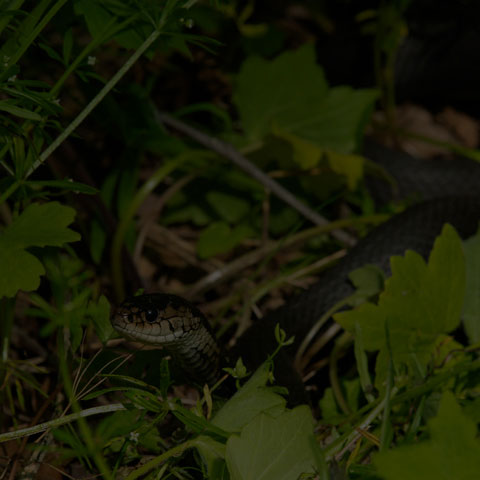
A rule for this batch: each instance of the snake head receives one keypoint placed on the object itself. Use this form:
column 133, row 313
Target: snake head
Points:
column 170, row 321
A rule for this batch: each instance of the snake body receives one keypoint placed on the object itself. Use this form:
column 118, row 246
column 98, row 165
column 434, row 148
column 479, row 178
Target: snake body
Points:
column 450, row 193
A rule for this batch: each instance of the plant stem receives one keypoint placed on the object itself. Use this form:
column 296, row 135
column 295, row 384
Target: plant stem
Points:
column 95, row 101
column 107, row 32
column 35, row 32
column 228, row 151
column 10, row 191
column 14, row 5
column 57, row 422
column 173, row 452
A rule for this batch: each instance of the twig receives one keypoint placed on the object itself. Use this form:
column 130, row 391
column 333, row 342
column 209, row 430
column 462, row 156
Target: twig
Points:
column 231, row 269
column 228, row 151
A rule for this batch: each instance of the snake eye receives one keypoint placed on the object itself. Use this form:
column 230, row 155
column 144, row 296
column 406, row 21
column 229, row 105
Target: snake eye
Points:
column 151, row 315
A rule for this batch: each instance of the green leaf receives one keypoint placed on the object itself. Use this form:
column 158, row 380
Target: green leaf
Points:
column 96, row 16
column 273, row 448
column 301, row 108
column 38, row 226
column 305, row 153
column 42, row 225
column 348, row 165
column 452, row 451
column 218, row 237
column 230, row 208
column 419, row 303
column 331, row 412
column 67, row 46
column 253, row 398
column 100, row 313
column 118, row 424
column 9, row 107
column 262, row 98
column 471, row 307
column 213, row 453
column 69, row 185
column 189, row 213
column 20, row 270
column 368, row 281
column 98, row 240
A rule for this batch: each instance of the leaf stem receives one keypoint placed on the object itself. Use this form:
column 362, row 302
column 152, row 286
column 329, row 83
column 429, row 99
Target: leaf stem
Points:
column 10, row 190
column 107, row 32
column 94, row 102
column 34, row 33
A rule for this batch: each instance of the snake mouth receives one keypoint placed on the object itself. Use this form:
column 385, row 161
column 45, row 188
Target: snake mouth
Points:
column 150, row 334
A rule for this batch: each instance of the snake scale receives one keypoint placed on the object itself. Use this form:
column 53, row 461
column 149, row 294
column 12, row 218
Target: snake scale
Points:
column 449, row 192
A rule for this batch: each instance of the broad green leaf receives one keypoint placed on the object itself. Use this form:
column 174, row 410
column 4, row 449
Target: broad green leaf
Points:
column 337, row 124
column 301, row 108
column 262, row 98
column 349, row 165
column 305, row 153
column 118, row 424
column 253, row 398
column 368, row 281
column 452, row 451
column 190, row 213
column 41, row 225
column 38, row 226
column 419, row 303
column 213, row 453
column 471, row 307
column 273, row 448
column 218, row 237
column 19, row 270
column 230, row 208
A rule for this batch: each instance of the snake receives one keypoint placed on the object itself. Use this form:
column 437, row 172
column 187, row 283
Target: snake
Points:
column 172, row 322
column 445, row 191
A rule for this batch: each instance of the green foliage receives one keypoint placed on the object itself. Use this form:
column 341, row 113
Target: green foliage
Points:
column 420, row 303
column 315, row 119
column 251, row 400
column 219, row 237
column 471, row 307
column 451, row 450
column 37, row 226
column 273, row 448
column 318, row 122
column 292, row 127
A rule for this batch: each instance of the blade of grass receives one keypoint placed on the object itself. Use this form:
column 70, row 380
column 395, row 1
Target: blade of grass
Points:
column 33, row 33
column 94, row 102
column 14, row 5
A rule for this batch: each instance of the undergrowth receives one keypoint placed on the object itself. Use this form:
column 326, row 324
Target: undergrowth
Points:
column 101, row 194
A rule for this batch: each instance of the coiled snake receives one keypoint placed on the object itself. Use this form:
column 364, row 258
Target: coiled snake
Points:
column 449, row 189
